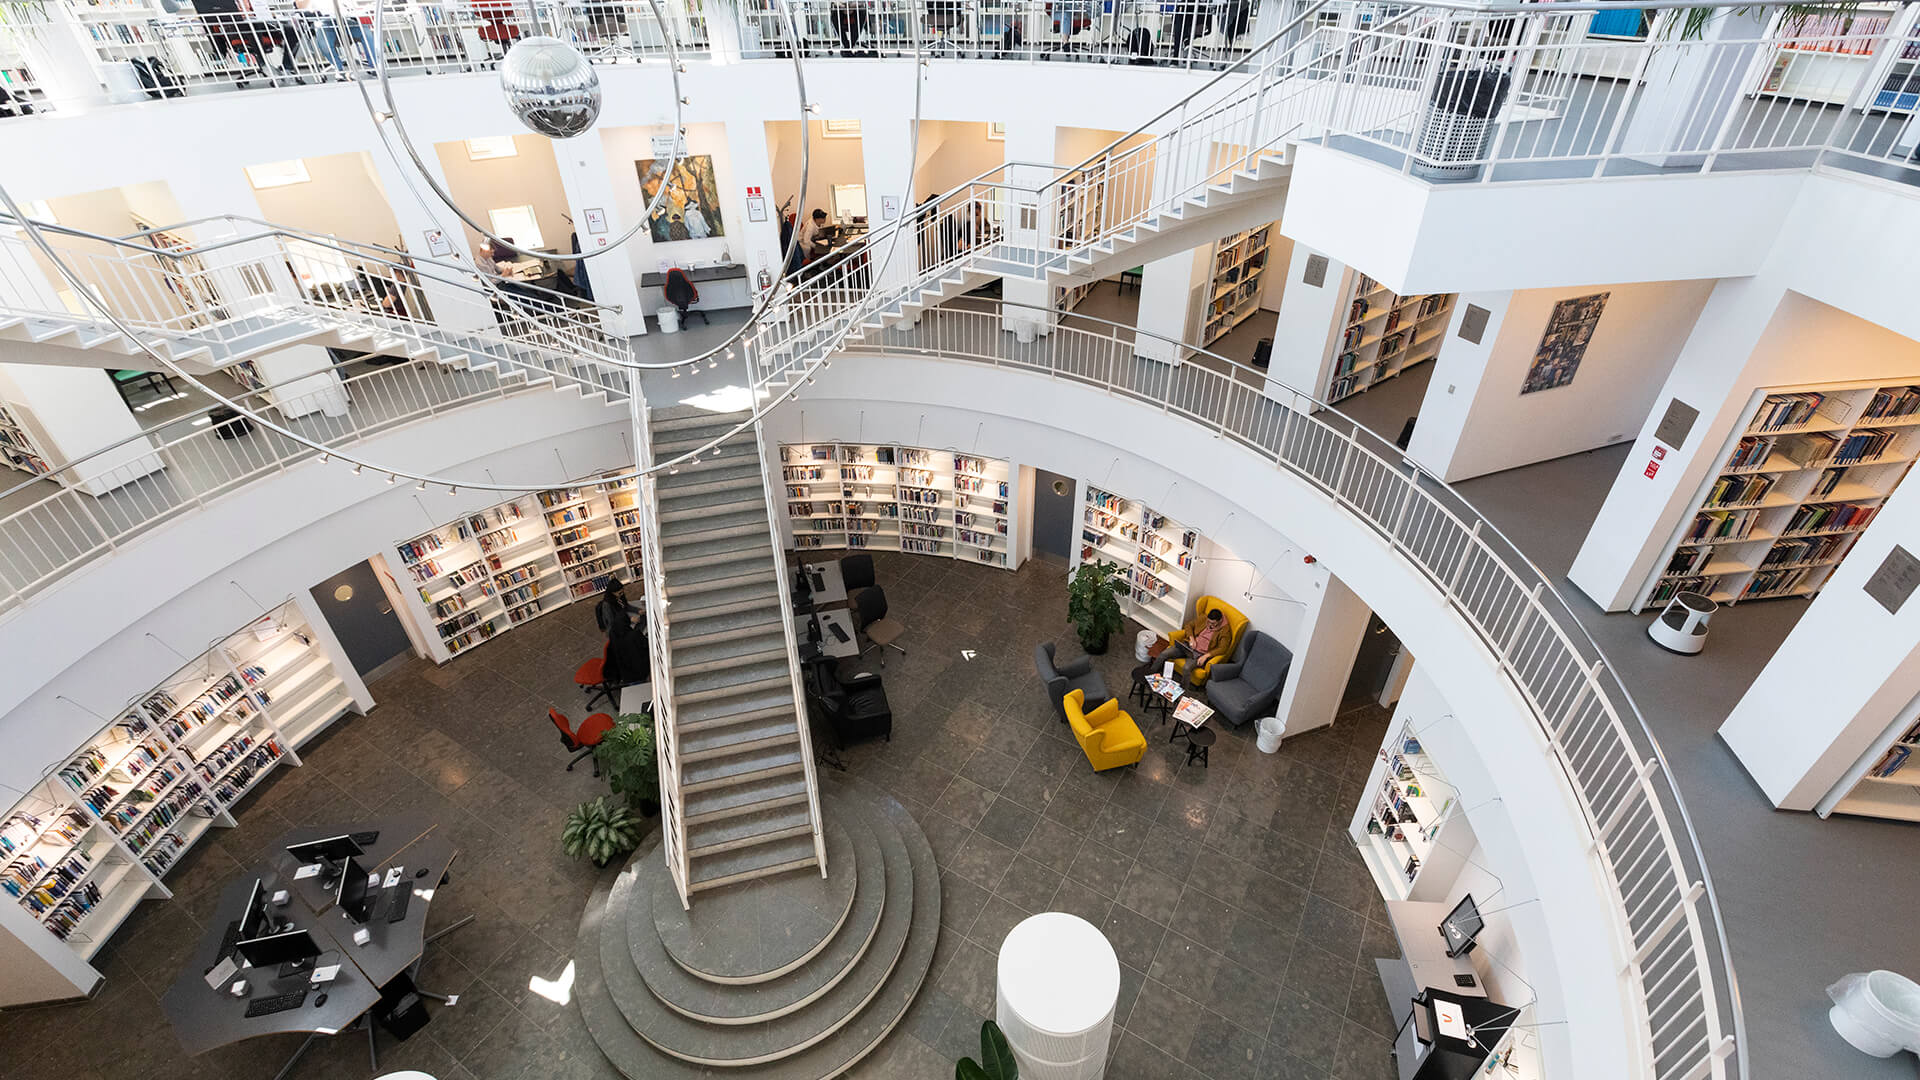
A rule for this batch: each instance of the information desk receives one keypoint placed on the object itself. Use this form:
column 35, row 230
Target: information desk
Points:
column 722, row 286
column 1424, row 971
column 205, row 1018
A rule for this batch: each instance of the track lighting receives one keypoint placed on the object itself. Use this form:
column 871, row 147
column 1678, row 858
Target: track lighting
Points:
column 324, row 458
column 357, row 468
column 421, row 486
column 391, row 478
column 453, row 490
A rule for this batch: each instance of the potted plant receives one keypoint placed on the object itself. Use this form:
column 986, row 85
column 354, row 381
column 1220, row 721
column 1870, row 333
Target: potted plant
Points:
column 600, row 829
column 996, row 1058
column 626, row 758
column 1093, row 604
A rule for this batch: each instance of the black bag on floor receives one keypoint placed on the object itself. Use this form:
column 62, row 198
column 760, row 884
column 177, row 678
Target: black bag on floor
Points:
column 1140, row 44
column 155, row 77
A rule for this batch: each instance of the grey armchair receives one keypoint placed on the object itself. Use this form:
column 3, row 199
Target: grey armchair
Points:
column 1249, row 684
column 1061, row 680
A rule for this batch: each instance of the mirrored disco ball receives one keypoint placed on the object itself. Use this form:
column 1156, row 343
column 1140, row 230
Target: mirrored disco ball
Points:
column 551, row 87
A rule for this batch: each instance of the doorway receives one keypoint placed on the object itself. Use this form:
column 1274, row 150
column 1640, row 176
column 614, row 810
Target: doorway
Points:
column 1372, row 665
column 363, row 619
column 1052, row 515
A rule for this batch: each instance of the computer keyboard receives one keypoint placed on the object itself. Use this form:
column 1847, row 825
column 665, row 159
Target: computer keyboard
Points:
column 402, row 896
column 267, row 1006
column 364, row 838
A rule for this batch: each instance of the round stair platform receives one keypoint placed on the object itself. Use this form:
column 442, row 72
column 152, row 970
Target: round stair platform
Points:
column 730, row 936
column 823, row 1016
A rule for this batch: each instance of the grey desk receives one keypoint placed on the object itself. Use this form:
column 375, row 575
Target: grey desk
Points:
column 719, row 287
column 698, row 275
column 396, row 836
column 204, row 1018
column 394, row 946
column 1423, row 963
column 830, row 588
column 830, row 645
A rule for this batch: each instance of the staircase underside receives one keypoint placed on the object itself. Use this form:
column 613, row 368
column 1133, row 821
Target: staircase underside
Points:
column 776, row 1017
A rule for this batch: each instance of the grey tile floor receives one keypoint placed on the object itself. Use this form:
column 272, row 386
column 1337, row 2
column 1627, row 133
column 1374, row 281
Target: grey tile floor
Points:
column 1244, row 922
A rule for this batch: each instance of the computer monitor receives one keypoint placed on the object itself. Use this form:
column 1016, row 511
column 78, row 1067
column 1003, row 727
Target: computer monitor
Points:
column 1462, row 925
column 293, row 947
column 331, row 849
column 254, row 920
column 356, row 894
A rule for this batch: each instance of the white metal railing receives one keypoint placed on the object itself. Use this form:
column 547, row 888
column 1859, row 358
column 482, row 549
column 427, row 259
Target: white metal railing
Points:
column 783, row 585
column 1677, row 974
column 673, row 816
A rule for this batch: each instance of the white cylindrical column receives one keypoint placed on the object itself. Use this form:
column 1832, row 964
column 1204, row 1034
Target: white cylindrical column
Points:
column 1058, row 983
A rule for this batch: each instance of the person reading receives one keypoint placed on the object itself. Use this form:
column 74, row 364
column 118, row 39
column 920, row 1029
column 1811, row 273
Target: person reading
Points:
column 1206, row 640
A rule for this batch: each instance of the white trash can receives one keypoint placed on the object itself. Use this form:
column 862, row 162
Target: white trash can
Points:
column 1058, row 983
column 1877, row 1011
column 1142, row 642
column 1272, row 730
column 669, row 320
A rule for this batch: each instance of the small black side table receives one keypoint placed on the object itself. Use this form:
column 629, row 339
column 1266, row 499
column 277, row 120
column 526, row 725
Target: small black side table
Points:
column 1198, row 740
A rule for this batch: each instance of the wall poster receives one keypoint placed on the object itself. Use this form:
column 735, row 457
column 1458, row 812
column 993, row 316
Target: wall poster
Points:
column 691, row 210
column 1569, row 329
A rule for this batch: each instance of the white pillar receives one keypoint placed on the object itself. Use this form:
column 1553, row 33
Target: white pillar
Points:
column 1689, row 91
column 423, row 220
column 755, row 243
column 1028, row 139
column 1458, row 371
column 587, row 177
column 1330, row 634
column 62, row 61
column 72, row 412
column 303, row 381
column 886, row 157
column 1167, row 301
column 1303, row 333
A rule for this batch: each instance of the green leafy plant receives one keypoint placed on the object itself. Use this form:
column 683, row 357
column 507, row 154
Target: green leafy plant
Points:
column 1093, row 604
column 600, row 829
column 996, row 1058
column 626, row 758
column 1692, row 26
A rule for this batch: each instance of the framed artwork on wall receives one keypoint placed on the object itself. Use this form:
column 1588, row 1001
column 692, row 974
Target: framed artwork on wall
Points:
column 691, row 210
column 1564, row 343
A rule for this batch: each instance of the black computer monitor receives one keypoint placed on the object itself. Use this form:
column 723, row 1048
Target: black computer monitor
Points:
column 356, row 894
column 292, row 947
column 330, row 849
column 254, row 920
column 1462, row 925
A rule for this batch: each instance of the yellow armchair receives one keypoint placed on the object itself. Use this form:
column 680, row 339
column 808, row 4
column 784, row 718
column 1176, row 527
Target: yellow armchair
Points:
column 1107, row 736
column 1236, row 626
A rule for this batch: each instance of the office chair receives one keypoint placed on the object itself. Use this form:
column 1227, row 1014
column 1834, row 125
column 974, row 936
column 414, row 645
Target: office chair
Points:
column 852, row 706
column 857, row 572
column 680, row 292
column 582, row 739
column 591, row 678
column 882, row 632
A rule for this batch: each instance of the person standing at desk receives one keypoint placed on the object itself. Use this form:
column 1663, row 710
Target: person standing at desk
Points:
column 629, row 662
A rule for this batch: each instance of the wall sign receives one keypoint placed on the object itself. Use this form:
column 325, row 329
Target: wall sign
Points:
column 1473, row 323
column 596, row 219
column 756, row 205
column 666, row 146
column 1895, row 580
column 1677, row 423
column 437, row 243
column 1564, row 343
column 889, row 207
column 1316, row 272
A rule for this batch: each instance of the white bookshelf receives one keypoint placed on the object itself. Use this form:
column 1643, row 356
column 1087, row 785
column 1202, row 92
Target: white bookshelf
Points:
column 1409, row 827
column 1382, row 334
column 1236, row 281
column 18, row 448
column 1802, row 477
column 101, row 830
column 885, row 497
column 1157, row 554
column 1078, row 213
column 509, row 563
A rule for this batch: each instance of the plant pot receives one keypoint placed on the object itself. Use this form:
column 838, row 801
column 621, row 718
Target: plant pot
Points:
column 1093, row 648
column 649, row 807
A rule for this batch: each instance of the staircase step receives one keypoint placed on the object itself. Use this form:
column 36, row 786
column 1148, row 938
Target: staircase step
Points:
column 723, row 802
column 736, row 500
column 747, row 863
column 742, row 768
column 722, row 601
column 687, row 630
column 710, row 474
column 749, row 520
column 724, row 549
column 770, row 641
column 767, row 700
column 703, row 685
column 751, row 564
column 745, row 830
column 670, row 445
column 739, row 739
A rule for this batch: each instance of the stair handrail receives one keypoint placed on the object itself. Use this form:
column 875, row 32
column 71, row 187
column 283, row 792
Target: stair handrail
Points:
column 666, row 731
column 783, row 585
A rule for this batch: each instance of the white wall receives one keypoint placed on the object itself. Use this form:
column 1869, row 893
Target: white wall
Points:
column 626, row 147
column 829, row 162
column 1475, row 420
column 951, row 153
column 343, row 198
column 530, row 177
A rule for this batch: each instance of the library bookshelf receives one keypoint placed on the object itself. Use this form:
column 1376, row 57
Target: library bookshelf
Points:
column 1235, row 282
column 1156, row 553
column 501, row 566
column 884, row 497
column 1885, row 781
column 1078, row 213
column 100, row 831
column 18, row 448
column 1382, row 334
column 1410, row 830
column 1797, row 483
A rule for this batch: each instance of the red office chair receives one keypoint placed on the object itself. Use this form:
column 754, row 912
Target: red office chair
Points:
column 680, row 292
column 591, row 678
column 583, row 738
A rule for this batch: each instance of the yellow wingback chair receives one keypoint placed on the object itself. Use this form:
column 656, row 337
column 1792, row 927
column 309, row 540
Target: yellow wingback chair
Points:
column 1108, row 736
column 1236, row 626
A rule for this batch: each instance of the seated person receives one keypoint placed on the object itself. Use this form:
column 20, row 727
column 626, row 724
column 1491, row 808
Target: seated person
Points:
column 1207, row 639
column 628, row 661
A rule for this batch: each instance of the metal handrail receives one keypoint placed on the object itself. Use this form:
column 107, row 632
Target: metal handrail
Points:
column 673, row 815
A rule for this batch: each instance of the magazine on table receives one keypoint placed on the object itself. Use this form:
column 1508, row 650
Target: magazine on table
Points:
column 1166, row 686
column 1192, row 712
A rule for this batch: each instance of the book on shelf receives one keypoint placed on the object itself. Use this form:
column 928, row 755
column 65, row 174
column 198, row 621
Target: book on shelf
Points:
column 1781, row 411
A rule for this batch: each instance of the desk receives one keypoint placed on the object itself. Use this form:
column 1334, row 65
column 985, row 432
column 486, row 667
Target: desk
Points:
column 723, row 286
column 829, row 587
column 830, row 645
column 1424, row 963
column 204, row 1019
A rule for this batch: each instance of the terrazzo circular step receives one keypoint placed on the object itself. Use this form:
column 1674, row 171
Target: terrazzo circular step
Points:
column 730, row 935
column 753, row 1044
column 597, row 985
column 747, row 1003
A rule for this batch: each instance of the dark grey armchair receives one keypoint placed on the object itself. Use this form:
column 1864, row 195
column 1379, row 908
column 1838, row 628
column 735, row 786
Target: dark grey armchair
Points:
column 1249, row 685
column 1064, row 679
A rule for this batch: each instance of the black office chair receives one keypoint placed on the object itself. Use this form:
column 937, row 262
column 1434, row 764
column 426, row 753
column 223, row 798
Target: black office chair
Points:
column 682, row 295
column 856, row 571
column 882, row 632
column 851, row 706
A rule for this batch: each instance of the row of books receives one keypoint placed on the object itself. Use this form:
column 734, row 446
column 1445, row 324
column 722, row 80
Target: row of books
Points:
column 1892, row 403
column 1740, row 490
column 1862, row 446
column 1810, row 550
column 1774, row 583
column 1722, row 525
column 1825, row 517
column 1781, row 411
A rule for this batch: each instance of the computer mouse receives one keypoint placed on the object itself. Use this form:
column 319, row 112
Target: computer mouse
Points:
column 319, row 1000
column 422, row 872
